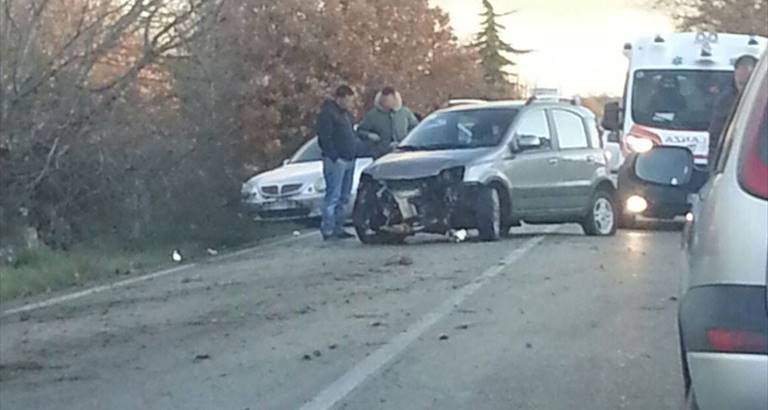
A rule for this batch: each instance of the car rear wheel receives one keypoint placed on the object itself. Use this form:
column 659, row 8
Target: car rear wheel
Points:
column 602, row 218
column 489, row 214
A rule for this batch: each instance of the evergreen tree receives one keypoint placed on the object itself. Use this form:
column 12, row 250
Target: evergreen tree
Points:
column 492, row 48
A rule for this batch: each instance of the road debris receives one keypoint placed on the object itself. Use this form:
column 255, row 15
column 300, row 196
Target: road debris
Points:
column 399, row 260
column 457, row 235
column 202, row 356
column 212, row 252
column 176, row 256
column 443, row 337
column 463, row 326
column 24, row 316
column 528, row 346
column 377, row 324
column 673, row 298
column 296, row 233
column 333, row 346
column 306, row 357
column 317, row 353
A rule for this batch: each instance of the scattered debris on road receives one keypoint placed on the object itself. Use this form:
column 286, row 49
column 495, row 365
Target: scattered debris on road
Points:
column 202, row 356
column 463, row 326
column 399, row 260
column 24, row 316
column 529, row 346
column 212, row 252
column 377, row 324
column 176, row 256
column 443, row 337
column 333, row 346
column 306, row 357
column 317, row 353
column 192, row 279
column 673, row 298
column 457, row 236
column 296, row 233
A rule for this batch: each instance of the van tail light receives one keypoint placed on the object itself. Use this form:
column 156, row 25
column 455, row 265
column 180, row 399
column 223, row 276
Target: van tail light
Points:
column 736, row 341
column 753, row 164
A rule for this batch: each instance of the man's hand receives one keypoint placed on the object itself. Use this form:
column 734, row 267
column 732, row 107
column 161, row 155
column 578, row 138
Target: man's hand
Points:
column 372, row 136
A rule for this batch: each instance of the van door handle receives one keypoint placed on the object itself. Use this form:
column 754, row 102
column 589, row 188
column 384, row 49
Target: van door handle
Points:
column 553, row 161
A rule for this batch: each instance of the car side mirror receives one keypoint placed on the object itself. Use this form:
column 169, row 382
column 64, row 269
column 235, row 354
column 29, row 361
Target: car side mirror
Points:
column 665, row 165
column 612, row 116
column 527, row 142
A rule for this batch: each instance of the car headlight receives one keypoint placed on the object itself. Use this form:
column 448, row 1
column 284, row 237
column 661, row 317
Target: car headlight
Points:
column 319, row 185
column 455, row 174
column 639, row 144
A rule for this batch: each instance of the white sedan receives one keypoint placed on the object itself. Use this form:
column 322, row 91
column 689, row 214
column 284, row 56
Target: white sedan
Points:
column 295, row 190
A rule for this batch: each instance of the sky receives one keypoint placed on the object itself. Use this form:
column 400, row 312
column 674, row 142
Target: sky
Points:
column 577, row 43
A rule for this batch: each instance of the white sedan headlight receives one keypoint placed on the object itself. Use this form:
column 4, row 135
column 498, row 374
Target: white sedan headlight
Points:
column 319, row 185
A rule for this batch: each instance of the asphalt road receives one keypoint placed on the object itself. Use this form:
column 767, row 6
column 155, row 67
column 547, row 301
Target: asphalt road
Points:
column 549, row 319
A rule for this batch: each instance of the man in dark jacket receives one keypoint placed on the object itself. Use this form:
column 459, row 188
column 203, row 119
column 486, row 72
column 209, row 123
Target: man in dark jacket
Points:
column 338, row 143
column 726, row 103
column 387, row 123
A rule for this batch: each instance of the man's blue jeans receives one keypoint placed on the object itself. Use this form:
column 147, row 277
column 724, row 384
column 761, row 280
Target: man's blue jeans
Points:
column 338, row 175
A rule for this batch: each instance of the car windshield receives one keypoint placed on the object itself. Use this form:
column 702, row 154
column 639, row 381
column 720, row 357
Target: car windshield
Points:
column 309, row 152
column 677, row 99
column 461, row 129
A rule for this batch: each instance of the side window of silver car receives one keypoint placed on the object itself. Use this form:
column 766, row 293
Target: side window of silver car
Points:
column 535, row 125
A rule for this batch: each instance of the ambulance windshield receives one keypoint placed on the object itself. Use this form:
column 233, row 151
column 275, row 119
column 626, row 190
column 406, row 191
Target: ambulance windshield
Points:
column 677, row 99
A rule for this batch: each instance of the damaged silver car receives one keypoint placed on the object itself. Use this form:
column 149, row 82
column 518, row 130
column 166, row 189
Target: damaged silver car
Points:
column 490, row 166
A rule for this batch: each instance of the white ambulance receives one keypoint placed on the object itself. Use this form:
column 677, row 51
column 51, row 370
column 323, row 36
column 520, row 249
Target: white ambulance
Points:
column 672, row 84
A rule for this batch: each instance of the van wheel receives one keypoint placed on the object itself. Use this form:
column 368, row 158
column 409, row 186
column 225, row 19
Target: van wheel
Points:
column 602, row 219
column 488, row 214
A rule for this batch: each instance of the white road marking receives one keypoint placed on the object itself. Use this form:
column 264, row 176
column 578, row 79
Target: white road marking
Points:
column 150, row 276
column 386, row 353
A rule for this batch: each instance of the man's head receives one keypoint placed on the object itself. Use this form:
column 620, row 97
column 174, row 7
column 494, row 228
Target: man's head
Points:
column 744, row 66
column 345, row 97
column 388, row 99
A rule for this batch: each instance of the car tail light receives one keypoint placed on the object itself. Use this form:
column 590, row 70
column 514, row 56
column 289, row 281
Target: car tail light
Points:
column 753, row 171
column 725, row 319
column 736, row 341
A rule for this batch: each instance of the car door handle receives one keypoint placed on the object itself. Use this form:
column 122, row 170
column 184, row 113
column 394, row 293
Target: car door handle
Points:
column 553, row 161
column 590, row 159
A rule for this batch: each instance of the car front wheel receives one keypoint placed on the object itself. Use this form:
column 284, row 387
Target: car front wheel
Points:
column 489, row 214
column 602, row 219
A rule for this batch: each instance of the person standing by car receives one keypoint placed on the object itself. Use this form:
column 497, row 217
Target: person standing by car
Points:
column 338, row 143
column 726, row 102
column 387, row 123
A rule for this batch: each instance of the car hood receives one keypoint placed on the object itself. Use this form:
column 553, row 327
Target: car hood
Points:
column 422, row 164
column 303, row 172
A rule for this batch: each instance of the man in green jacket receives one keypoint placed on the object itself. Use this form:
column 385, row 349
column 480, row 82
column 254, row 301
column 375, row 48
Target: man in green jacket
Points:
column 387, row 123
